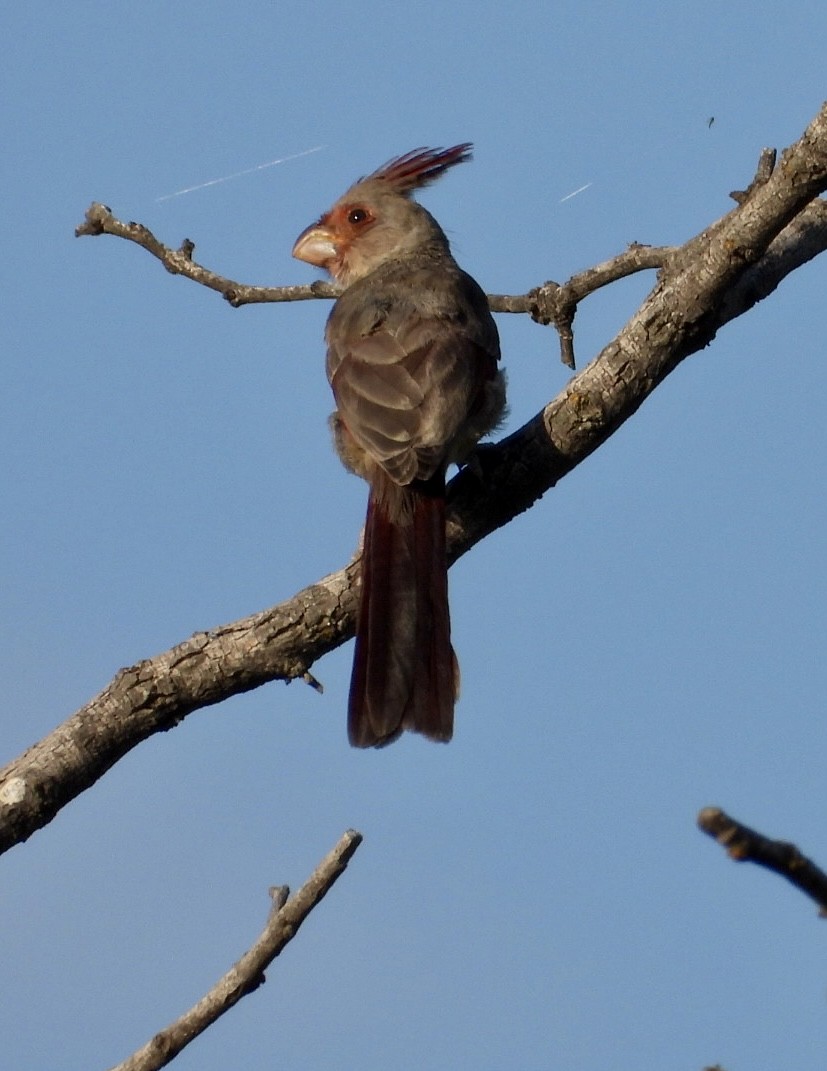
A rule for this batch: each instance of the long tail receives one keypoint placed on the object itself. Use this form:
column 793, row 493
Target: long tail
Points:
column 404, row 670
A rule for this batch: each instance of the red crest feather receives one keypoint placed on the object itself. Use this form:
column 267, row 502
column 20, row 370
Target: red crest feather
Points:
column 420, row 167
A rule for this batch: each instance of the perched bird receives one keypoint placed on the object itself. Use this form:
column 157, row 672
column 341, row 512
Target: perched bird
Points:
column 412, row 354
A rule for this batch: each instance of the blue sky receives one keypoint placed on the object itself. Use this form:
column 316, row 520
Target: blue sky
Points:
column 648, row 640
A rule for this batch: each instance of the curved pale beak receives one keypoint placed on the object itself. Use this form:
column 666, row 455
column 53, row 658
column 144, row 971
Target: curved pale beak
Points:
column 315, row 246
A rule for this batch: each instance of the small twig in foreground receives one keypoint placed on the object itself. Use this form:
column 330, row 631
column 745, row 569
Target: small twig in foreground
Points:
column 286, row 916
column 745, row 845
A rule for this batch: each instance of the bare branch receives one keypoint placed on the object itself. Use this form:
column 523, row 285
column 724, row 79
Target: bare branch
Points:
column 544, row 302
column 715, row 277
column 245, row 976
column 745, row 845
column 99, row 220
column 157, row 694
column 550, row 303
column 554, row 304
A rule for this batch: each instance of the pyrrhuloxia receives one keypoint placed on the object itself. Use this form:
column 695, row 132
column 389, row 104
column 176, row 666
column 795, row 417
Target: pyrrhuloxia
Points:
column 412, row 354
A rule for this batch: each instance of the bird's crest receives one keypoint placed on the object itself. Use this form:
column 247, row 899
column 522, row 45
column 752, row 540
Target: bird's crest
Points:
column 419, row 167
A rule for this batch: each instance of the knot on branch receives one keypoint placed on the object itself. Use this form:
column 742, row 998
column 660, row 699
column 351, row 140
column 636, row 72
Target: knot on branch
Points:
column 766, row 166
column 95, row 220
column 553, row 304
column 544, row 304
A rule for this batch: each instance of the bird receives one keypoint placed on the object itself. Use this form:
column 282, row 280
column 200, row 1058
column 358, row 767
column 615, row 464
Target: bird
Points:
column 413, row 362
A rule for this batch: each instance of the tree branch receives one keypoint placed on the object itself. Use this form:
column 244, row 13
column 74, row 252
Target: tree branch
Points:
column 702, row 285
column 157, row 694
column 745, row 845
column 245, row 976
column 554, row 304
column 99, row 220
column 550, row 303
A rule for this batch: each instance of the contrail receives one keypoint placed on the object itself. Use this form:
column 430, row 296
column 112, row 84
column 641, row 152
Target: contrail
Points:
column 238, row 174
column 569, row 196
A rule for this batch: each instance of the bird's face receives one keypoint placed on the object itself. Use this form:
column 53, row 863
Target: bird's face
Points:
column 364, row 229
column 377, row 220
column 337, row 241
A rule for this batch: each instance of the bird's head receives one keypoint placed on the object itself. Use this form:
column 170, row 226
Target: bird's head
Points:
column 377, row 219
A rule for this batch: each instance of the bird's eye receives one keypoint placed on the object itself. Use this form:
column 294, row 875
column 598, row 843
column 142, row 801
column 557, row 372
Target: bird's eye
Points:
column 357, row 216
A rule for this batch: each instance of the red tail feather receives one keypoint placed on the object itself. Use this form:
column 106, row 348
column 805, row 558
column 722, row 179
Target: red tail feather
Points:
column 404, row 670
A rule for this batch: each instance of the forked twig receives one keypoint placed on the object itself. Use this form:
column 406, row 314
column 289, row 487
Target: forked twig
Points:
column 245, row 976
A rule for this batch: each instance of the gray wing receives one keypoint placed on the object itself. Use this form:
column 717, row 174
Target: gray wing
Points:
column 408, row 374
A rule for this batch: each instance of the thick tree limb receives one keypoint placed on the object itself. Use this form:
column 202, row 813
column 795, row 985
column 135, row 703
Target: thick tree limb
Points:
column 157, row 694
column 245, row 976
column 745, row 845
column 716, row 276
